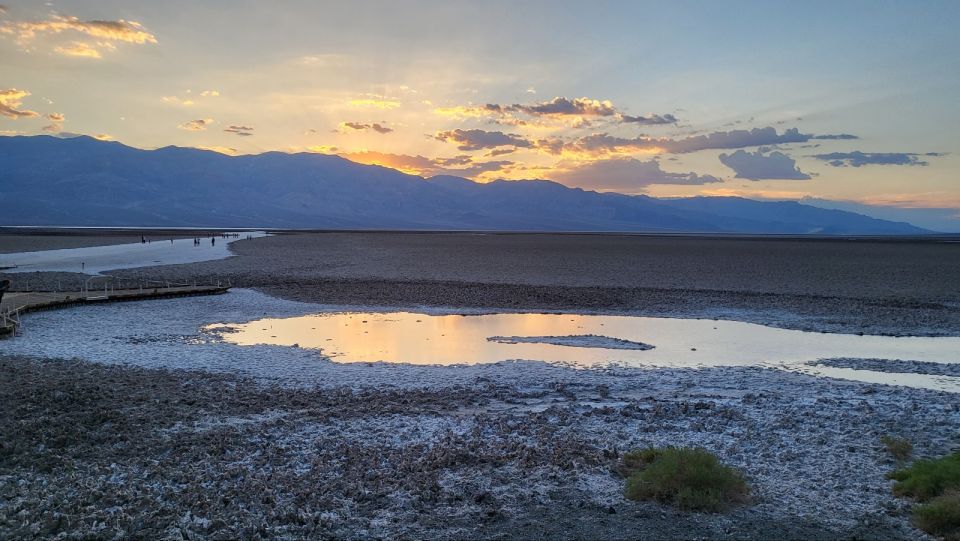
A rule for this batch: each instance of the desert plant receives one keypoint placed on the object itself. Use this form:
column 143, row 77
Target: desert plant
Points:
column 899, row 448
column 940, row 517
column 692, row 479
column 926, row 479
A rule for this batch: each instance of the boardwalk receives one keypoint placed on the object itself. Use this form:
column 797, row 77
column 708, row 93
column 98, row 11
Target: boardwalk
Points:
column 15, row 304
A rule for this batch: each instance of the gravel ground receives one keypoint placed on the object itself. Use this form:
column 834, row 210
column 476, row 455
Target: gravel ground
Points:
column 97, row 451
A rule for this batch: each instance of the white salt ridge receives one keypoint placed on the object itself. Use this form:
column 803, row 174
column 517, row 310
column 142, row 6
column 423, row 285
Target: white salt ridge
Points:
column 576, row 341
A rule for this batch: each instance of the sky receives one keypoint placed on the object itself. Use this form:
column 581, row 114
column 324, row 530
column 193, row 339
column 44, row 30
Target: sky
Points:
column 844, row 101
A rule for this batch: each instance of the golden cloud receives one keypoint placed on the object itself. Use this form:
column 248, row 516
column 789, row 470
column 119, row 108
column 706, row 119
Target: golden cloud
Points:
column 104, row 32
column 120, row 30
column 82, row 49
column 10, row 101
column 176, row 101
column 462, row 165
column 375, row 102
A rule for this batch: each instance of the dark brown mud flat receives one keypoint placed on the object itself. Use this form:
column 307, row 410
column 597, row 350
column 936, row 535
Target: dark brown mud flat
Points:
column 95, row 451
column 874, row 287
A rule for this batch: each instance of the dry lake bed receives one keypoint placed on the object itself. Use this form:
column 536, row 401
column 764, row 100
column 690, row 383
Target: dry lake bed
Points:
column 456, row 386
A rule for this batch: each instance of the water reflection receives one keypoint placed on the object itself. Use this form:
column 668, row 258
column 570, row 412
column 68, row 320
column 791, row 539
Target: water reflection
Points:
column 463, row 339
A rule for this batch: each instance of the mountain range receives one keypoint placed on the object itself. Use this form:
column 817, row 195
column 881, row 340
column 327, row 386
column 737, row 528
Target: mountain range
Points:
column 82, row 181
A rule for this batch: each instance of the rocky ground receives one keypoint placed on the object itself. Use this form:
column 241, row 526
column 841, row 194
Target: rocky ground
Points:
column 96, row 451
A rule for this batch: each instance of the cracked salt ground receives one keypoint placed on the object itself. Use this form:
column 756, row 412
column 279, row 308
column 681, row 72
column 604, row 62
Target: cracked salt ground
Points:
column 167, row 333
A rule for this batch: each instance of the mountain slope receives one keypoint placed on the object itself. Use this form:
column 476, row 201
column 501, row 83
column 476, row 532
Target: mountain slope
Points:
column 82, row 181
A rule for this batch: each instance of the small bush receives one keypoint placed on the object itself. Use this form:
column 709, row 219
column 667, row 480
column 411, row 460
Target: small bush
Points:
column 927, row 479
column 941, row 516
column 899, row 448
column 691, row 479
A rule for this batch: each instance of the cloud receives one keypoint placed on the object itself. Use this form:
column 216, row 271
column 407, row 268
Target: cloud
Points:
column 323, row 149
column 56, row 122
column 601, row 143
column 578, row 110
column 82, row 49
column 481, row 139
column 210, row 93
column 357, row 126
column 836, row 137
column 757, row 165
column 626, row 175
column 565, row 106
column 649, row 120
column 3, row 9
column 10, row 101
column 242, row 131
column 375, row 101
column 119, row 30
column 177, row 101
column 199, row 124
column 230, row 151
column 859, row 159
column 462, row 165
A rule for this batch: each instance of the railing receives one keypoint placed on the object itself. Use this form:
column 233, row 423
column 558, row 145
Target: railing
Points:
column 107, row 284
column 10, row 319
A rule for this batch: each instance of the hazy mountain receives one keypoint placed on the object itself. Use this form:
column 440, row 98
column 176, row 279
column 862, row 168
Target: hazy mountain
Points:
column 82, row 181
column 945, row 219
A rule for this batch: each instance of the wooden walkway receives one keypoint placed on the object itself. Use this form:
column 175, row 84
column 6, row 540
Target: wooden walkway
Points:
column 15, row 304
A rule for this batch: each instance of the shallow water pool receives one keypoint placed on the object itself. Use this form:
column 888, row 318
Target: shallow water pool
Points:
column 587, row 341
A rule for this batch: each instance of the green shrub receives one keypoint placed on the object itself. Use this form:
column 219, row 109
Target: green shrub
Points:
column 691, row 479
column 941, row 516
column 927, row 479
column 899, row 448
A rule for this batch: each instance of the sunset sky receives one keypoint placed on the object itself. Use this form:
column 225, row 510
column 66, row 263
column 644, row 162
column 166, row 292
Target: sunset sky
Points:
column 852, row 101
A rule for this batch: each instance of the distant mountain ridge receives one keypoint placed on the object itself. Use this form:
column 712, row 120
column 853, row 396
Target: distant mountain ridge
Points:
column 82, row 181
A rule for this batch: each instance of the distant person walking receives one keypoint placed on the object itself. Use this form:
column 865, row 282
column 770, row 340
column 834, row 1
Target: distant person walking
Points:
column 213, row 241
